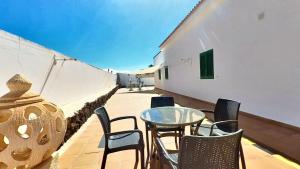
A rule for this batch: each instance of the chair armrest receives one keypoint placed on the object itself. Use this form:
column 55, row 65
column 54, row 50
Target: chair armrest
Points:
column 126, row 117
column 165, row 153
column 221, row 122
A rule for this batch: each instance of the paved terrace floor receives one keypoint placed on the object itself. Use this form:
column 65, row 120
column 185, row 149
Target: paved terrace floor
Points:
column 82, row 152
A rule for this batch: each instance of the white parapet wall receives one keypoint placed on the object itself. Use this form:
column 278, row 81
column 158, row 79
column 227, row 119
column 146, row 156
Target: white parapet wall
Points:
column 256, row 56
column 60, row 79
column 148, row 81
column 124, row 79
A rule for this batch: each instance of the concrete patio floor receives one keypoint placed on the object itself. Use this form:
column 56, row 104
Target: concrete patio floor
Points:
column 82, row 152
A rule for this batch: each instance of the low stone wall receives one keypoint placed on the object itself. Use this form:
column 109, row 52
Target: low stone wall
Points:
column 81, row 116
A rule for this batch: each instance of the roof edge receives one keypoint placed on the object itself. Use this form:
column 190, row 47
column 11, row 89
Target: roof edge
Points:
column 156, row 55
column 181, row 23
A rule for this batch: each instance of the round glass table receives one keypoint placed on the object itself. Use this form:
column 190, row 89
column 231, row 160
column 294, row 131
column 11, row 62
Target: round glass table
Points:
column 169, row 117
column 172, row 116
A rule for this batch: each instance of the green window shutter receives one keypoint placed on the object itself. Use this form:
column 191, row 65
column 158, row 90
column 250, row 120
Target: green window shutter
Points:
column 207, row 64
column 166, row 72
column 159, row 74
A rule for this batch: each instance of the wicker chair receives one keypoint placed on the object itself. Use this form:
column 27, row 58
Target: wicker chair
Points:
column 122, row 140
column 225, row 121
column 202, row 152
column 162, row 102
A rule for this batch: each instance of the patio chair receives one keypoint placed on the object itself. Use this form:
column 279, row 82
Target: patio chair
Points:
column 122, row 140
column 225, row 122
column 162, row 102
column 224, row 110
column 202, row 152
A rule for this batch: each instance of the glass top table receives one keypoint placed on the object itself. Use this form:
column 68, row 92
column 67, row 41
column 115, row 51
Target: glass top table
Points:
column 172, row 116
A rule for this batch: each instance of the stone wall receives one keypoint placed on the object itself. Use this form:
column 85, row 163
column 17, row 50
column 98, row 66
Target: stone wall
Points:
column 81, row 116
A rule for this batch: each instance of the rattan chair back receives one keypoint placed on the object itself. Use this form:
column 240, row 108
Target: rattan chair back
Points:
column 214, row 152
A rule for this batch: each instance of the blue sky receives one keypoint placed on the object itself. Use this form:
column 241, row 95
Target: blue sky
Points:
column 117, row 34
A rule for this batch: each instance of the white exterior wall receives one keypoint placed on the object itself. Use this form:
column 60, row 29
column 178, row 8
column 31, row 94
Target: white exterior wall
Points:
column 256, row 56
column 148, row 81
column 159, row 59
column 69, row 81
column 124, row 79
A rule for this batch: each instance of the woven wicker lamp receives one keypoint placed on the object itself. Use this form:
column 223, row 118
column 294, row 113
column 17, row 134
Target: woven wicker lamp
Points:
column 31, row 129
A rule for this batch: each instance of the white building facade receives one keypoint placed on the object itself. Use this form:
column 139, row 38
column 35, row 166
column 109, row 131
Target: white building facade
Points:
column 254, row 52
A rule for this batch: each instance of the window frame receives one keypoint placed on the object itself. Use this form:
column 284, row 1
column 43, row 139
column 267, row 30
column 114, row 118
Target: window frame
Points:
column 159, row 74
column 206, row 61
column 166, row 72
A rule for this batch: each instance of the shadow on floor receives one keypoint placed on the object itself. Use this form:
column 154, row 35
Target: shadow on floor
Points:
column 154, row 164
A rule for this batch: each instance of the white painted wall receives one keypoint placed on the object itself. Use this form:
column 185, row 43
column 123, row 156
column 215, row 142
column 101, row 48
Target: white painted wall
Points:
column 256, row 56
column 69, row 81
column 124, row 79
column 159, row 58
column 148, row 81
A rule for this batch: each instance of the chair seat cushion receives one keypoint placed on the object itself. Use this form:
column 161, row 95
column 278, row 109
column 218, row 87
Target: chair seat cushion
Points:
column 121, row 140
column 174, row 156
column 204, row 130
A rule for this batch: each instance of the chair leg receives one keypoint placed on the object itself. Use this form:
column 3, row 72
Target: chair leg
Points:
column 161, row 164
column 176, row 141
column 147, row 145
column 182, row 132
column 104, row 160
column 152, row 149
column 147, row 139
column 136, row 155
column 242, row 157
column 136, row 158
column 151, row 153
column 142, row 158
column 191, row 131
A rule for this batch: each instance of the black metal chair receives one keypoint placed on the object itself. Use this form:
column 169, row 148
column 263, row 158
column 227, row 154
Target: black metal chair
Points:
column 203, row 152
column 224, row 110
column 225, row 122
column 122, row 140
column 162, row 102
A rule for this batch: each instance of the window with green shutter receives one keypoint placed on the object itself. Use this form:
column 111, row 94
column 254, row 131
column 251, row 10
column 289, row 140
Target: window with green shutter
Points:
column 166, row 72
column 207, row 64
column 159, row 74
